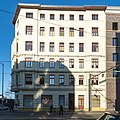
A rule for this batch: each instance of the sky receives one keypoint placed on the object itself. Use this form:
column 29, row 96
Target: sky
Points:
column 7, row 10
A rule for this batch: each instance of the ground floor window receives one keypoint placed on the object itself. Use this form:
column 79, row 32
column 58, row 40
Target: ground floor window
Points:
column 95, row 100
column 28, row 101
column 62, row 100
column 46, row 100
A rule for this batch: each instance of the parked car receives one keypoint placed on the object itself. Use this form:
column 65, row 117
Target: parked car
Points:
column 4, row 107
column 109, row 116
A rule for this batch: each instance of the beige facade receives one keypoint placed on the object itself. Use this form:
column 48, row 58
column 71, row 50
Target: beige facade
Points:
column 55, row 52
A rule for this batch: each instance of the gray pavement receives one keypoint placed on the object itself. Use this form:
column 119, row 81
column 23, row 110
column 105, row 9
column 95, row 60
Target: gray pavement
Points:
column 6, row 115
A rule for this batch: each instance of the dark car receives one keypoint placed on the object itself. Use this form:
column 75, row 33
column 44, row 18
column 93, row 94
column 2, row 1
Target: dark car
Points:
column 109, row 116
column 3, row 108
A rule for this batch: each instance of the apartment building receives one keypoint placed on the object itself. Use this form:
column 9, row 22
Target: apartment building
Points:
column 113, row 57
column 58, row 57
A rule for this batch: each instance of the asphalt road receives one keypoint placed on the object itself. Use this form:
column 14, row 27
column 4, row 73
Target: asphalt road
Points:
column 6, row 115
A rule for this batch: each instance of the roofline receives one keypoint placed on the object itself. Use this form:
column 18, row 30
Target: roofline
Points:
column 55, row 7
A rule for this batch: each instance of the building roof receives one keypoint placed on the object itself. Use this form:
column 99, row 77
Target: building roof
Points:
column 55, row 7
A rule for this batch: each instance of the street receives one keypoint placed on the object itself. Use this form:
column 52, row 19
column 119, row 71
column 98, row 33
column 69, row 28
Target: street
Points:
column 6, row 115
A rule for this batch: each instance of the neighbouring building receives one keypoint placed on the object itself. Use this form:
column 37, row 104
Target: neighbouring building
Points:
column 58, row 57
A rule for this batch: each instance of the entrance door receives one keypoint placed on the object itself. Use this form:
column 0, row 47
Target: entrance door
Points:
column 71, row 101
column 81, row 102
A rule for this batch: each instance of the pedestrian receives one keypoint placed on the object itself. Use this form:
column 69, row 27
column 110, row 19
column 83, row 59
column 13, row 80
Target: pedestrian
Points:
column 61, row 110
column 11, row 106
column 51, row 108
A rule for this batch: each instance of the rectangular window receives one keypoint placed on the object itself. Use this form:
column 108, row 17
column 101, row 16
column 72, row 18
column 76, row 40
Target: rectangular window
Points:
column 95, row 47
column 71, row 32
column 94, row 31
column 46, row 101
column 115, row 41
column 81, row 17
column 42, row 62
column 16, row 47
column 94, row 16
column 52, row 16
column 61, row 79
column 81, row 32
column 115, row 26
column 42, row 16
column 28, row 62
column 28, row 79
column 61, row 16
column 52, row 31
column 28, row 45
column 42, row 46
column 96, row 101
column 29, row 30
column 115, row 56
column 42, row 31
column 61, row 31
column 61, row 63
column 71, row 80
column 81, row 63
column 81, row 77
column 94, row 79
column 42, row 79
column 71, row 63
column 28, row 101
column 51, row 47
column 29, row 15
column 114, row 72
column 51, row 63
column 52, row 79
column 71, row 47
column 94, row 63
column 61, row 47
column 81, row 47
column 71, row 17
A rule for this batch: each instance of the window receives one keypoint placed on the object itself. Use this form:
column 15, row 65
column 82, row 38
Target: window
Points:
column 61, row 31
column 96, row 101
column 95, row 47
column 42, row 79
column 29, row 30
column 42, row 62
column 81, row 47
column 81, row 77
column 71, row 63
column 42, row 46
column 94, row 16
column 94, row 63
column 42, row 16
column 114, row 72
column 16, row 63
column 61, row 47
column 28, row 79
column 28, row 101
column 61, row 16
column 17, row 47
column 115, row 41
column 81, row 32
column 115, row 26
column 81, row 63
column 52, row 79
column 71, row 80
column 51, row 63
column 81, row 17
column 94, row 79
column 71, row 47
column 115, row 56
column 61, row 63
column 71, row 17
column 46, row 101
column 51, row 47
column 52, row 16
column 94, row 31
column 29, row 15
column 17, row 80
column 28, row 45
column 52, row 31
column 42, row 31
column 71, row 32
column 62, row 100
column 28, row 62
column 61, row 79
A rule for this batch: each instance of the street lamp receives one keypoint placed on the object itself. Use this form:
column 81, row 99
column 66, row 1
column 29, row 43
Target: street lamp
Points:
column 2, row 82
